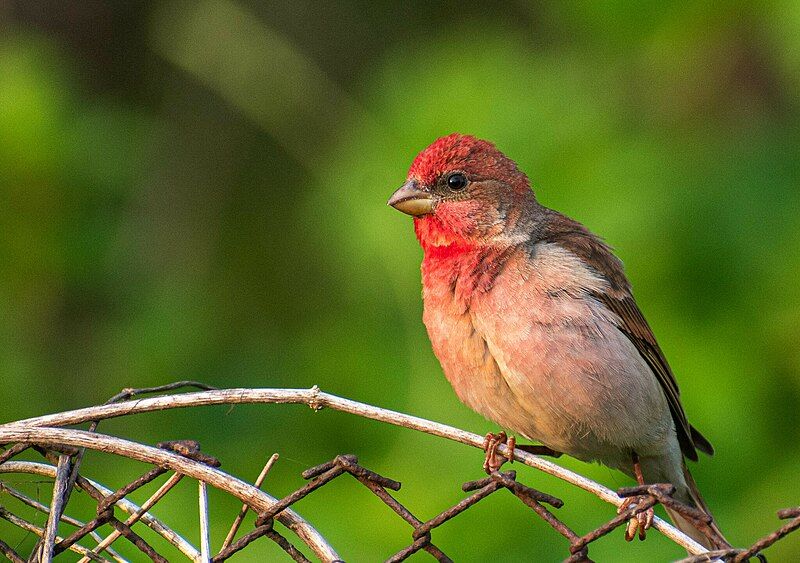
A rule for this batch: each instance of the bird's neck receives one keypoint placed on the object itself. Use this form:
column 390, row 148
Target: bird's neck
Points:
column 465, row 265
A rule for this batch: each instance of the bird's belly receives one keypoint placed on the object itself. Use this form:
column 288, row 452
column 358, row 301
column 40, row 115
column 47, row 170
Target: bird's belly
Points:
column 585, row 387
column 553, row 368
column 472, row 370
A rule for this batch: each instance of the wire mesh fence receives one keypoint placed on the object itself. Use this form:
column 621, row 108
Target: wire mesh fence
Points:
column 63, row 449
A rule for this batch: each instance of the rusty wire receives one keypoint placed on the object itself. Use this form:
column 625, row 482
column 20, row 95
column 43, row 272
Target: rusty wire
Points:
column 68, row 460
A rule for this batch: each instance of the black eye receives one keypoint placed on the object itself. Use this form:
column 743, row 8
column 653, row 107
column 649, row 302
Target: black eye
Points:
column 456, row 181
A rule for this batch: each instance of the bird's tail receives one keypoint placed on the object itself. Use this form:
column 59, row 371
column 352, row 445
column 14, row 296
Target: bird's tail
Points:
column 692, row 496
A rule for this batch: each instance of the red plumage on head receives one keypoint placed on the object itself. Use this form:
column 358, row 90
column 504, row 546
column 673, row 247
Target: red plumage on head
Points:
column 461, row 224
column 477, row 158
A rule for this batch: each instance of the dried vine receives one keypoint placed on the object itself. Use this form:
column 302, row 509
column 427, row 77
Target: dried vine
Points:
column 64, row 448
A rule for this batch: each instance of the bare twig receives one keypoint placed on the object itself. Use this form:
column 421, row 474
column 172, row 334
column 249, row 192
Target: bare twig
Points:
column 259, row 500
column 316, row 399
column 12, row 451
column 765, row 542
column 205, row 538
column 129, row 488
column 185, row 458
column 258, row 532
column 243, row 511
column 131, row 392
column 25, row 499
column 44, row 470
column 742, row 555
column 141, row 511
column 137, row 541
column 56, row 508
column 9, row 553
column 25, row 525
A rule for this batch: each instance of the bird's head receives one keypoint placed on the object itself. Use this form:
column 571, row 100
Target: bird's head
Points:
column 463, row 191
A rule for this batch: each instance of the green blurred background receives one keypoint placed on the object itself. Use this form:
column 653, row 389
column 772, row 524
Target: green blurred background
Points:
column 197, row 191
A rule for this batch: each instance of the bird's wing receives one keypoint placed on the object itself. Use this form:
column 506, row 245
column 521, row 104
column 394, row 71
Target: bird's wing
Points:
column 619, row 299
column 635, row 327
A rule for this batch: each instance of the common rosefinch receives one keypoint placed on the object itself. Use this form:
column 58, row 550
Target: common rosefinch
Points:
column 535, row 325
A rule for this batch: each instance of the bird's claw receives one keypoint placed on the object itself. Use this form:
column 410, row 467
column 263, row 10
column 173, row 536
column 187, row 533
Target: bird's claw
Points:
column 493, row 461
column 640, row 522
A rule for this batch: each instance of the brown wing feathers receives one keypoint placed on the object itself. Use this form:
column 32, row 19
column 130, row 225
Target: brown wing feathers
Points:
column 636, row 329
column 619, row 299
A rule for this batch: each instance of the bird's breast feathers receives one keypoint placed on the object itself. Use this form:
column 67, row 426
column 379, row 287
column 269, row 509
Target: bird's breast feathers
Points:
column 523, row 342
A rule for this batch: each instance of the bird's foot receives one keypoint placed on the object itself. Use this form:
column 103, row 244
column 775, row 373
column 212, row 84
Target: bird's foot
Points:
column 493, row 460
column 640, row 522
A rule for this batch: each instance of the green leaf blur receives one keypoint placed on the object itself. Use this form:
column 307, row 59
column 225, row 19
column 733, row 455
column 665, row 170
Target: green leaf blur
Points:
column 196, row 190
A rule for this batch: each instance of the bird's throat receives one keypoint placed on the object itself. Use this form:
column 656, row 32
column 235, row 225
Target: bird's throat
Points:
column 462, row 272
column 439, row 238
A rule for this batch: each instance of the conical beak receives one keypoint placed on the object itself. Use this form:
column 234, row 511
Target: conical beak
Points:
column 411, row 200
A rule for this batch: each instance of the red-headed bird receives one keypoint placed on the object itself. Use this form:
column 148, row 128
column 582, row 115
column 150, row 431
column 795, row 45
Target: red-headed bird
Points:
column 535, row 326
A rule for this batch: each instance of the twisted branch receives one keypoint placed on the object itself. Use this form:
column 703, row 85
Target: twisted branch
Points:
column 44, row 470
column 254, row 497
column 34, row 430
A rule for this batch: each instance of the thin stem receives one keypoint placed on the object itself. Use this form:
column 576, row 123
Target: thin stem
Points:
column 259, row 500
column 205, row 538
column 45, row 470
column 25, row 499
column 27, row 526
column 243, row 511
column 56, row 508
column 136, row 516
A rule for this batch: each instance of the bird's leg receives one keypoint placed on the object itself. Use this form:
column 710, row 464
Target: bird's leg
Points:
column 493, row 462
column 644, row 519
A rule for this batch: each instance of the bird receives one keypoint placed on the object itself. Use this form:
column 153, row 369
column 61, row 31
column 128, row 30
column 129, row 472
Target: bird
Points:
column 534, row 323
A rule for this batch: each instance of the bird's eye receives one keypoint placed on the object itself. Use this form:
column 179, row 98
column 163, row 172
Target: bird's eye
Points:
column 456, row 181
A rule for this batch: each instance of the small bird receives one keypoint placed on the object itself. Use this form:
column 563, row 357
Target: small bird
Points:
column 534, row 323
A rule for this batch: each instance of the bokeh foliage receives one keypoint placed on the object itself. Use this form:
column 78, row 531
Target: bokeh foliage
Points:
column 196, row 190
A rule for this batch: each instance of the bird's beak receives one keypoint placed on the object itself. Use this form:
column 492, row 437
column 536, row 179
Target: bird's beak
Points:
column 411, row 200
